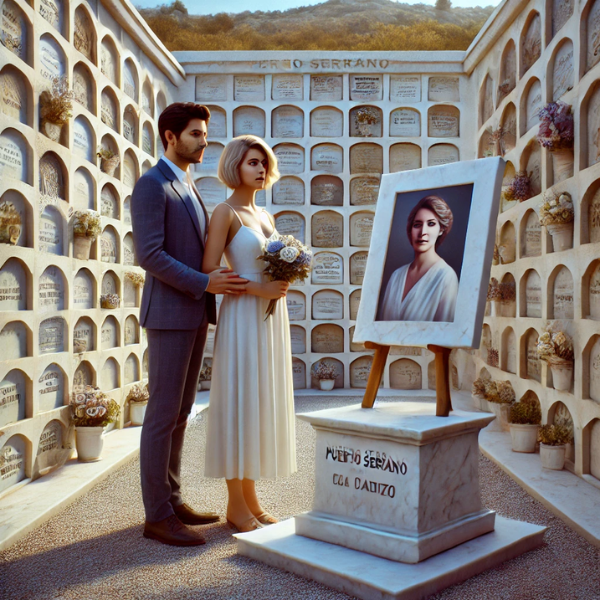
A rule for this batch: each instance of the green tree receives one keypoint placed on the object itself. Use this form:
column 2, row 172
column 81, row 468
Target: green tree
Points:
column 443, row 4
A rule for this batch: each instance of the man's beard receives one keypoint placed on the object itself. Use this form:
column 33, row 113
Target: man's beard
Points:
column 189, row 155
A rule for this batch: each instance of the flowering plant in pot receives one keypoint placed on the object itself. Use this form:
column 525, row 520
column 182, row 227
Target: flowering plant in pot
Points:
column 56, row 105
column 497, row 396
column 519, row 189
column 10, row 224
column 556, row 348
column 110, row 301
column 524, row 418
column 494, row 295
column 137, row 398
column 91, row 411
column 109, row 161
column 86, row 228
column 557, row 135
column 325, row 374
column 557, row 214
column 553, row 445
column 205, row 377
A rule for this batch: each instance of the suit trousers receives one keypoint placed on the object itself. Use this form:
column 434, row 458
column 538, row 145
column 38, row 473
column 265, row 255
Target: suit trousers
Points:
column 174, row 362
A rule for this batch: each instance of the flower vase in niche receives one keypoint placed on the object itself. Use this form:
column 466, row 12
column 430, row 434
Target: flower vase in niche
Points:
column 86, row 228
column 557, row 214
column 556, row 348
column 325, row 373
column 10, row 224
column 138, row 401
column 109, row 161
column 56, row 105
column 557, row 135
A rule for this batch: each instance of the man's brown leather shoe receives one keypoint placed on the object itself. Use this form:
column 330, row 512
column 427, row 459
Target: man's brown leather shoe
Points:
column 189, row 516
column 173, row 532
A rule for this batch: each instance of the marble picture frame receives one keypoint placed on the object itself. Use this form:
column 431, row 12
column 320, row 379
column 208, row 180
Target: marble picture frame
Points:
column 482, row 180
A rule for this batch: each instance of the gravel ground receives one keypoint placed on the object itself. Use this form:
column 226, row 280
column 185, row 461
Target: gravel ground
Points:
column 94, row 549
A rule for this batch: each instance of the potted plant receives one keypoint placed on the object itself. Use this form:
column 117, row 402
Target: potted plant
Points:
column 325, row 374
column 135, row 278
column 56, row 105
column 524, row 418
column 494, row 295
column 110, row 301
column 109, row 161
column 557, row 135
column 553, row 445
column 86, row 228
column 557, row 214
column 519, row 189
column 138, row 401
column 205, row 375
column 10, row 224
column 91, row 411
column 496, row 397
column 556, row 348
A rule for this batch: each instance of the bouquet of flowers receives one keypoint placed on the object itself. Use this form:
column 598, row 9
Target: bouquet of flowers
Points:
column 555, row 347
column 557, row 129
column 323, row 371
column 92, row 408
column 519, row 188
column 494, row 293
column 135, row 278
column 86, row 223
column 556, row 210
column 287, row 259
column 138, row 394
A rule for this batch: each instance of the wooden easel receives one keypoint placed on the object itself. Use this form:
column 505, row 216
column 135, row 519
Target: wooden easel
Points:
column 442, row 376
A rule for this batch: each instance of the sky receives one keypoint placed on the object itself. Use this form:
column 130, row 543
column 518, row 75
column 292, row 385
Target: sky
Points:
column 203, row 7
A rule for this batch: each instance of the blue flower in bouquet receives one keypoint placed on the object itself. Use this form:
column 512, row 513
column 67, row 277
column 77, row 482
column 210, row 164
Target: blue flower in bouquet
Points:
column 305, row 258
column 275, row 246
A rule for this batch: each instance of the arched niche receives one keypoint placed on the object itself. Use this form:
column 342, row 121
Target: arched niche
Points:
column 15, row 340
column 84, row 336
column 366, row 121
column 161, row 102
column 109, row 108
column 358, row 263
column 298, row 373
column 109, row 245
column 109, row 201
column 486, row 100
column 131, row 80
column 405, row 122
column 148, row 100
column 406, row 374
column 145, row 364
column 531, row 42
column 15, row 157
column 591, row 438
column 442, row 154
column 296, row 305
column 53, row 62
column 327, row 305
column 17, row 95
column 486, row 342
column 147, row 165
column 590, row 208
column 532, row 101
column 84, row 139
column 52, row 290
column 51, row 448
column 591, row 369
column 561, row 303
column 361, row 228
column 84, row 35
column 404, row 157
column 531, row 161
column 131, row 169
column 129, row 258
column 84, row 375
column 84, row 190
column 84, row 290
column 590, row 113
column 290, row 158
column 249, row 120
column 366, row 158
column 11, row 201
column 338, row 368
column 53, row 11
column 287, row 122
column 288, row 190
column 507, row 243
column 530, row 363
column 443, row 121
column 328, row 269
column 148, row 139
column 530, row 296
column 328, row 158
column 110, row 375
column 359, row 372
column 14, row 284
column 127, row 210
column 509, row 292
column 590, row 292
column 298, row 339
column 52, row 178
column 561, row 13
column 531, row 235
column 590, row 34
column 131, row 369
column 559, row 414
column 508, row 122
column 485, row 145
column 52, row 335
column 131, row 125
column 291, row 223
column 327, row 229
column 217, row 126
column 13, row 396
column 131, row 293
column 364, row 190
column 15, row 34
column 110, row 284
column 327, row 122
column 508, row 358
column 132, row 331
column 109, row 59
column 109, row 333
column 563, row 73
column 508, row 71
column 509, row 175
column 52, row 388
column 15, row 454
column 210, row 160
column 354, row 303
column 212, row 190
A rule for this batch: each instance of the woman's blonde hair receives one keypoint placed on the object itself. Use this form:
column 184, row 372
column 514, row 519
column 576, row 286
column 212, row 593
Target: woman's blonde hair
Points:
column 229, row 164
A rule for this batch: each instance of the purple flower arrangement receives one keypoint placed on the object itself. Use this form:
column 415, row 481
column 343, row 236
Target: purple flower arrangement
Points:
column 557, row 128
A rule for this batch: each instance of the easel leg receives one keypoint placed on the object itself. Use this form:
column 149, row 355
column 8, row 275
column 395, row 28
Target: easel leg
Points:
column 381, row 354
column 442, row 380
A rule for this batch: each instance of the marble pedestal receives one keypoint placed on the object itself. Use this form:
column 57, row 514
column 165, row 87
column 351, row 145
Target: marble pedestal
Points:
column 396, row 481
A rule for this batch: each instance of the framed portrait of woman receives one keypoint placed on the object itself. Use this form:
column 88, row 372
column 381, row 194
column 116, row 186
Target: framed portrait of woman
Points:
column 431, row 251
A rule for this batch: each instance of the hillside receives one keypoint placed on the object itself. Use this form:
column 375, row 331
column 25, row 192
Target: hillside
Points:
column 331, row 25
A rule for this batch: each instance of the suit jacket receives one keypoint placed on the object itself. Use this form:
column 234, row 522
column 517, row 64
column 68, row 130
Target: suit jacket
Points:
column 169, row 246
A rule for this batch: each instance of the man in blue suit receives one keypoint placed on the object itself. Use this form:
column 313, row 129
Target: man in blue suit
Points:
column 169, row 231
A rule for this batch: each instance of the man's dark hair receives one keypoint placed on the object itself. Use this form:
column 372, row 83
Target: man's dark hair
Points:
column 176, row 117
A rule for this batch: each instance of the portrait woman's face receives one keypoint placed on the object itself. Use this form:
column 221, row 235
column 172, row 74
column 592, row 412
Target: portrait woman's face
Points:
column 253, row 169
column 425, row 230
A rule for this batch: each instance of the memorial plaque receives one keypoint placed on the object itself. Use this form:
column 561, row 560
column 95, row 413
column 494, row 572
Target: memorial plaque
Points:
column 287, row 87
column 52, row 335
column 404, row 157
column 405, row 122
column 83, row 376
column 366, row 158
column 109, row 60
column 534, row 365
column 406, row 374
column 561, row 13
column 443, row 121
column 52, row 184
column 83, row 140
column 83, row 290
column 13, row 156
column 563, row 295
column 13, row 29
column 442, row 154
column 405, row 351
column 594, row 367
column 328, row 158
column 290, row 223
column 296, row 305
column 248, row 88
column 109, row 245
column 361, row 228
column 354, row 304
column 531, row 241
column 83, row 38
column 327, row 190
column 593, row 127
column 132, row 369
column 359, row 372
column 210, row 160
column 50, row 448
column 563, row 76
column 328, row 268
column 534, row 167
column 509, row 127
column 13, row 341
column 444, row 89
column 211, row 88
column 83, row 90
column 327, row 339
column 12, row 461
column 486, row 99
column 261, row 198
column 109, row 203
column 298, row 373
column 129, row 170
column 51, row 388
column 298, row 339
column 51, row 290
column 249, row 120
column 127, row 210
column 593, row 35
column 148, row 100
column 326, row 87
column 83, row 336
column 366, row 88
column 287, row 122
column 510, row 351
column 290, row 159
column 13, row 94
column 53, row 12
column 129, row 251
column 109, row 377
column 217, row 126
column 355, row 346
column 131, row 331
column 405, row 88
column 129, row 293
column 52, row 58
column 508, row 71
column 531, row 44
column 358, row 263
column 533, row 295
column 326, row 122
column 327, row 305
column 594, row 293
column 130, row 80
column 366, row 121
column 534, row 104
column 147, row 140
column 129, row 125
column 327, row 229
column 12, row 397
column 288, row 190
column 364, row 190
column 13, row 286
column 109, row 337
column 108, row 109
column 212, row 191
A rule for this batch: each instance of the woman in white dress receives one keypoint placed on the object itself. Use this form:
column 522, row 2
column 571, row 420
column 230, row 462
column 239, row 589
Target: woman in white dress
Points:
column 250, row 430
column 425, row 289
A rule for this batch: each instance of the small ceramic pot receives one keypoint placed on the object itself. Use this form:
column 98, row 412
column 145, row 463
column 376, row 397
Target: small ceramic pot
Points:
column 562, row 236
column 562, row 164
column 523, row 437
column 553, row 457
column 137, row 412
column 562, row 374
column 89, row 442
column 326, row 384
column 81, row 247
